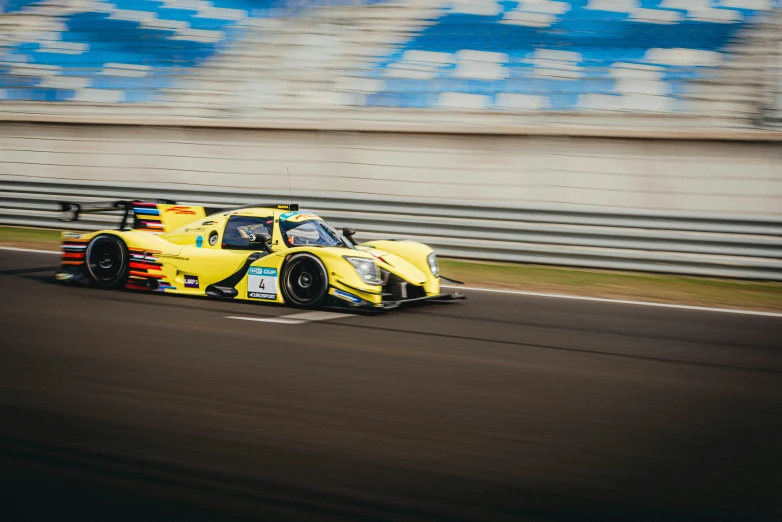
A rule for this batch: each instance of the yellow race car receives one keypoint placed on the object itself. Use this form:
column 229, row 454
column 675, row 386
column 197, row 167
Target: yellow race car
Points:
column 271, row 255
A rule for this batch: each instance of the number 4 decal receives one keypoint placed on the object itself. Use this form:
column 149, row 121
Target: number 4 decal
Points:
column 262, row 283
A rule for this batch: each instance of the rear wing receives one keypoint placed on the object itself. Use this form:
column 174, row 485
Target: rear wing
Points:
column 73, row 211
column 159, row 216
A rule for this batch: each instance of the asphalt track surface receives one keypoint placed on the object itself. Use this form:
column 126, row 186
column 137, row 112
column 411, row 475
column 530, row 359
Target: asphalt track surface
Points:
column 126, row 406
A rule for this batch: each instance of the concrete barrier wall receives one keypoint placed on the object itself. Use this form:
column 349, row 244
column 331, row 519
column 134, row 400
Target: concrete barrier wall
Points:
column 584, row 172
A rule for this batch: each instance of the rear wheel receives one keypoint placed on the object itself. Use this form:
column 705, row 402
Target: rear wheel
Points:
column 107, row 261
column 305, row 282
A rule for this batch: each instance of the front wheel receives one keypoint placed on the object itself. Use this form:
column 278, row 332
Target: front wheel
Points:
column 107, row 261
column 305, row 282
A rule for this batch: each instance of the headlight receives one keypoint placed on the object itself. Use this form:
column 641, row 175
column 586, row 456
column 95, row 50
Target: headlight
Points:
column 432, row 260
column 367, row 269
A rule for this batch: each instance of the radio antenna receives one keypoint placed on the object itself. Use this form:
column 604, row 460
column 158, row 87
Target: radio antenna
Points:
column 290, row 189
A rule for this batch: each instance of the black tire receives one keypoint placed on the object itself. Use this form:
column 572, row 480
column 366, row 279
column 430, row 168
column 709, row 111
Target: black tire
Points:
column 107, row 261
column 305, row 282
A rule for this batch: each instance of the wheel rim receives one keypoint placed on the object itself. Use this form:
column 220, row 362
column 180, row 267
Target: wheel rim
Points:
column 304, row 283
column 105, row 259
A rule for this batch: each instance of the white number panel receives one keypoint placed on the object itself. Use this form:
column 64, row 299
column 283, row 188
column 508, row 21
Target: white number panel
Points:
column 262, row 283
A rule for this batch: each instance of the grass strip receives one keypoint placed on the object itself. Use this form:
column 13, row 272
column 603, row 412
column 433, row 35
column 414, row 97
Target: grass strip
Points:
column 635, row 286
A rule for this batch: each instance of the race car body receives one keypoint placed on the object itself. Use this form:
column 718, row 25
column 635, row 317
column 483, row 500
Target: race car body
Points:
column 264, row 254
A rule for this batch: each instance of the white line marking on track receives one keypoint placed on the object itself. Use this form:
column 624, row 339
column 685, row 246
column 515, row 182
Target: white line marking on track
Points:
column 281, row 320
column 317, row 316
column 617, row 301
column 304, row 317
column 34, row 251
column 500, row 291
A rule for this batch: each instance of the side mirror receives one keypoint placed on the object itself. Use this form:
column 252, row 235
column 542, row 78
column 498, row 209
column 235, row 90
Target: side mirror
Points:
column 261, row 239
column 348, row 233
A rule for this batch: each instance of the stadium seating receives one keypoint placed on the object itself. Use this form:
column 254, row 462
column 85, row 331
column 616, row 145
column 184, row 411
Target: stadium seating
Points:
column 637, row 55
column 123, row 50
column 465, row 55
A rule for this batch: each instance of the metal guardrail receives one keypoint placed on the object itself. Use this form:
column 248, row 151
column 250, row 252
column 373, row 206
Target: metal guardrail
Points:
column 710, row 245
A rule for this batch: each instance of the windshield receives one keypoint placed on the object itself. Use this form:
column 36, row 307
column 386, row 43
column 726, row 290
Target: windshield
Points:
column 312, row 233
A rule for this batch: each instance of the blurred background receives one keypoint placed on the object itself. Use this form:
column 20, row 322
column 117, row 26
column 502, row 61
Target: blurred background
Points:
column 715, row 61
column 622, row 149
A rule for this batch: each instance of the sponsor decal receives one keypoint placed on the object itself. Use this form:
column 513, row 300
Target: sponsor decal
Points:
column 262, row 283
column 172, row 256
column 258, row 295
column 258, row 270
column 199, row 241
column 72, row 234
column 181, row 210
column 213, row 238
column 297, row 216
column 346, row 296
column 195, row 229
column 191, row 281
